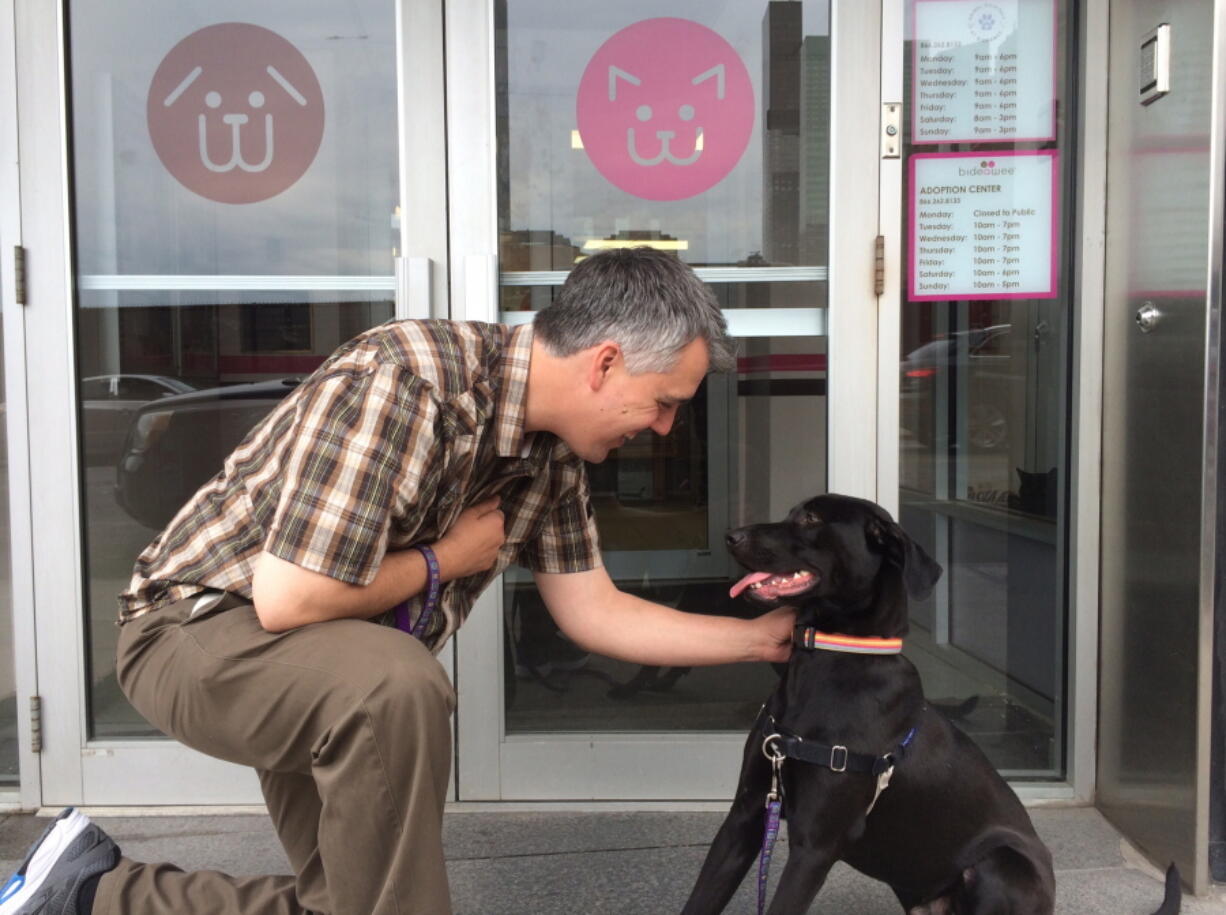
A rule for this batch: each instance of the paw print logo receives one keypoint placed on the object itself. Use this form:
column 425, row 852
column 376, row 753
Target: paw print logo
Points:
column 987, row 22
column 235, row 113
column 988, row 163
column 665, row 109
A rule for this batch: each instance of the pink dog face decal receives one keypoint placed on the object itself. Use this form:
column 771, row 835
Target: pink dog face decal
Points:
column 665, row 109
column 235, row 113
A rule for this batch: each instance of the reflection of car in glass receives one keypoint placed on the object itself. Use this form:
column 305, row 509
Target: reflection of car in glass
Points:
column 976, row 358
column 108, row 403
column 175, row 445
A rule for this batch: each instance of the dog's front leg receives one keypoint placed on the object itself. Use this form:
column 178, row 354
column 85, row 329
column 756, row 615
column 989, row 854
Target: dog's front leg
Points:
column 738, row 839
column 803, row 876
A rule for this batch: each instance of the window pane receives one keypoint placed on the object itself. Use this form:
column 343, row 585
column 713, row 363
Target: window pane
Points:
column 984, row 367
column 235, row 188
column 704, row 133
column 746, row 448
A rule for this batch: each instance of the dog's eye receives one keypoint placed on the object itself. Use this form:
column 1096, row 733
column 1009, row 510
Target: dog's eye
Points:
column 810, row 518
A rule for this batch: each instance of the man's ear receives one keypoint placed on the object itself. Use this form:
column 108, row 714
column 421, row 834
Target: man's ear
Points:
column 603, row 359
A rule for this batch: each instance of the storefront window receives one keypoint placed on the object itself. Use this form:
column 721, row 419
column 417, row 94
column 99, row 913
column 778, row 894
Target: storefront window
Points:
column 702, row 130
column 236, row 218
column 985, row 356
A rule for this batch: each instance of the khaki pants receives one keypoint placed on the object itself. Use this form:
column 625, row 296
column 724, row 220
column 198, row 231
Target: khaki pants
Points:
column 347, row 724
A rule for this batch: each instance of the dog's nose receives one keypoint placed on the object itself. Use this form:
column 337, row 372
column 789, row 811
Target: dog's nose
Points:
column 734, row 538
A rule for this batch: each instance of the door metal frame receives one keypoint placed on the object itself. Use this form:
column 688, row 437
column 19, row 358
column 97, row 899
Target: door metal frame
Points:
column 889, row 221
column 21, row 597
column 1212, row 461
column 1213, row 458
column 55, row 541
column 1085, row 493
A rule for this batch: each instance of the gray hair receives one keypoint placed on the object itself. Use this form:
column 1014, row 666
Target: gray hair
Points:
column 648, row 302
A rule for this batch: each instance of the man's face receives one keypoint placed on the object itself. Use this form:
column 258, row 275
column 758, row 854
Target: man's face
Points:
column 629, row 404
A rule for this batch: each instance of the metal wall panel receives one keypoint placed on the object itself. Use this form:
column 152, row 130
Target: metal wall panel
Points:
column 1152, row 782
column 1213, row 546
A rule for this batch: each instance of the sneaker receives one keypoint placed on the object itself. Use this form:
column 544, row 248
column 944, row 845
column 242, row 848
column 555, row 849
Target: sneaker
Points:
column 69, row 852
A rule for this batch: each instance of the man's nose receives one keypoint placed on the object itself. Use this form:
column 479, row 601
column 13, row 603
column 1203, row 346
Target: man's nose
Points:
column 664, row 423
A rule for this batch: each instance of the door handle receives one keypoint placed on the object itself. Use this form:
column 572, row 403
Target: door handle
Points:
column 1148, row 317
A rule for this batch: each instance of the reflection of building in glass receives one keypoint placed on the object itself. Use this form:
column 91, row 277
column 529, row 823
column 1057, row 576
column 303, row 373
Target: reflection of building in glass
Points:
column 535, row 249
column 632, row 238
column 213, row 338
column 502, row 121
column 520, row 250
column 781, row 68
column 814, row 198
column 796, row 139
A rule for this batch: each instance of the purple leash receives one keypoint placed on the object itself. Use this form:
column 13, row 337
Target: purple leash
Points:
column 774, row 809
column 430, row 602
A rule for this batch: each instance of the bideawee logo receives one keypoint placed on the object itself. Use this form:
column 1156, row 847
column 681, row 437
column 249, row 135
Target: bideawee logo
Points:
column 665, row 109
column 987, row 167
column 235, row 113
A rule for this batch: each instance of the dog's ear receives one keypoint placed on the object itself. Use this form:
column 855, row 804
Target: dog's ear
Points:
column 919, row 570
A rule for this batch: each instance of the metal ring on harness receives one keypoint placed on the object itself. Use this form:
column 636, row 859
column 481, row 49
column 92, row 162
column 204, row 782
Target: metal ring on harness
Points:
column 772, row 753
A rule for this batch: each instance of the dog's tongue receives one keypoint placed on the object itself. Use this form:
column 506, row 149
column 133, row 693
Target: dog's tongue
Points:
column 748, row 580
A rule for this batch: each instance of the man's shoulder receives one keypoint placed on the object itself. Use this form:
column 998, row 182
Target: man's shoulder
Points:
column 450, row 356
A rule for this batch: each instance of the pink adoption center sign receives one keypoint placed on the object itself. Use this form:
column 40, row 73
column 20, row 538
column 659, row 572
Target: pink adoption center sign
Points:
column 983, row 225
column 665, row 109
column 235, row 113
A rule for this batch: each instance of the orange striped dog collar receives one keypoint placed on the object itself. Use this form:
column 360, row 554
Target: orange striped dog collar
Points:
column 814, row 639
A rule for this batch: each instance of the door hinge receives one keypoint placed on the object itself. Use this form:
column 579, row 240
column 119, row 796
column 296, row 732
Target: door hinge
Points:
column 36, row 724
column 879, row 265
column 19, row 273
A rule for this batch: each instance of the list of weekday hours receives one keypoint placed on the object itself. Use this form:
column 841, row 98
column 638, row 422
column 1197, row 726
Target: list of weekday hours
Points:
column 983, row 71
column 983, row 225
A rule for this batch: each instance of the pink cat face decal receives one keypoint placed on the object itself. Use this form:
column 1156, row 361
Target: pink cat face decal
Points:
column 665, row 109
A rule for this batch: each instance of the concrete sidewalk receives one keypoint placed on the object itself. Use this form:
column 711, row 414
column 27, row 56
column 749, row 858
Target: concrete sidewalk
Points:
column 639, row 863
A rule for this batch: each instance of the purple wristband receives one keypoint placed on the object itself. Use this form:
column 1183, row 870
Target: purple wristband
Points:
column 429, row 602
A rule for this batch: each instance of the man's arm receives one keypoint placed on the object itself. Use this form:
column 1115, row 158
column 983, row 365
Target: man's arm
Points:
column 593, row 613
column 287, row 596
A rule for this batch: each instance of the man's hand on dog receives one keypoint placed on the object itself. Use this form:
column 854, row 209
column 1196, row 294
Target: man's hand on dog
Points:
column 776, row 631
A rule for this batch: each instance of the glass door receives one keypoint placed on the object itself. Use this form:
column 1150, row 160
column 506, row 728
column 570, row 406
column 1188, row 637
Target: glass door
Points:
column 982, row 202
column 704, row 130
column 244, row 197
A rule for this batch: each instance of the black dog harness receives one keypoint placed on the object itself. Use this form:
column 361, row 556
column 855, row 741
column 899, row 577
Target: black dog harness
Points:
column 780, row 745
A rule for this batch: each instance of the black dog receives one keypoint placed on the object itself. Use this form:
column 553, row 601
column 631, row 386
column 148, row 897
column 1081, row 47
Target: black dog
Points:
column 947, row 834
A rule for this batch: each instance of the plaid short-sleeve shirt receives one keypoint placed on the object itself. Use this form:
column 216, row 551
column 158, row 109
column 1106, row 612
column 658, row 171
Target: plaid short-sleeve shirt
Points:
column 381, row 449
